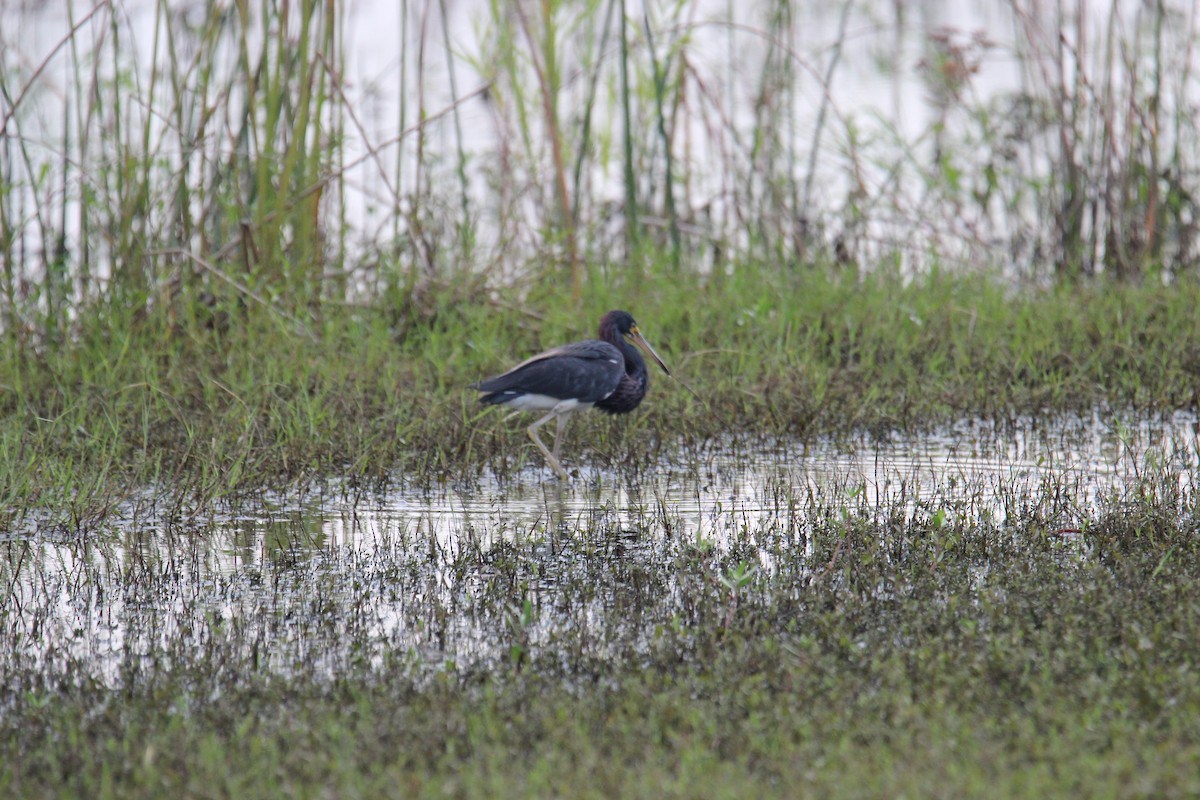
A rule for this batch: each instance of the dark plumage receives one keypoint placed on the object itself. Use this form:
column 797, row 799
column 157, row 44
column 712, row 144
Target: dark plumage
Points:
column 608, row 373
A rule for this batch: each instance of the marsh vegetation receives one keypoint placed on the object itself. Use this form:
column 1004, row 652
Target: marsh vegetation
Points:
column 927, row 526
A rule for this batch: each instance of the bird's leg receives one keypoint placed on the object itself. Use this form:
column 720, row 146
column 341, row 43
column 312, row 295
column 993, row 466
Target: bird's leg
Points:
column 558, row 434
column 551, row 459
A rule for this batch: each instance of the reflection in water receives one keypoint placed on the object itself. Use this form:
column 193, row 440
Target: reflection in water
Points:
column 983, row 472
column 321, row 578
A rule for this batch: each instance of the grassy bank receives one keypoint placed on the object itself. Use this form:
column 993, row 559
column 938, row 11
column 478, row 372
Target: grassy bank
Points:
column 216, row 399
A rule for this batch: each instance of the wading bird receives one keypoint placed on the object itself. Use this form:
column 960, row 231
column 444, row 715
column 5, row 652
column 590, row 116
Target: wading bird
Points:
column 607, row 373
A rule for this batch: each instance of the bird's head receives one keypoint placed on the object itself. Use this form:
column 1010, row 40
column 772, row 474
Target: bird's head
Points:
column 623, row 323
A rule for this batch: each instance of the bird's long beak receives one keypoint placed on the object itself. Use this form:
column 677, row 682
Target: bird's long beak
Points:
column 636, row 337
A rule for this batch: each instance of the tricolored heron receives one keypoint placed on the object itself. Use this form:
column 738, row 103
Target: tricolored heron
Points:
column 607, row 373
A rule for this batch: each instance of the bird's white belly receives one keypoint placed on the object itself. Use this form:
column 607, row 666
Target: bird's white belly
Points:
column 543, row 402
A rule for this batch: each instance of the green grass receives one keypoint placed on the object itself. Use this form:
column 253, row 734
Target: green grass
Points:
column 218, row 400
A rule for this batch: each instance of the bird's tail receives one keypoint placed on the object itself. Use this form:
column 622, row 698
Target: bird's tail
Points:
column 495, row 398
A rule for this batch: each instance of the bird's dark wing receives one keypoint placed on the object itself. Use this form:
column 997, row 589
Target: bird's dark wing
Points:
column 587, row 371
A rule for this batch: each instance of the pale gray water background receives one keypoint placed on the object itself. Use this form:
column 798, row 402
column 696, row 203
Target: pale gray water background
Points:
column 329, row 574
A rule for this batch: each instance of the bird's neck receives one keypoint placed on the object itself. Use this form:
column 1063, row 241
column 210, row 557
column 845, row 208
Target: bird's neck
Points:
column 634, row 363
column 632, row 388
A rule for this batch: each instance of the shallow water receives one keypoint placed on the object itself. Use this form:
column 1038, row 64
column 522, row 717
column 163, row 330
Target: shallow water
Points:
column 327, row 576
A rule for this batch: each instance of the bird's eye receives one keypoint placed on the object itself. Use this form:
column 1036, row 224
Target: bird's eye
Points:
column 633, row 329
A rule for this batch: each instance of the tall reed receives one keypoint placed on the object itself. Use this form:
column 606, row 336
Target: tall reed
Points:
column 220, row 156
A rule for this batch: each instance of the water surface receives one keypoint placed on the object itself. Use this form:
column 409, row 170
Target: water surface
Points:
column 320, row 577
